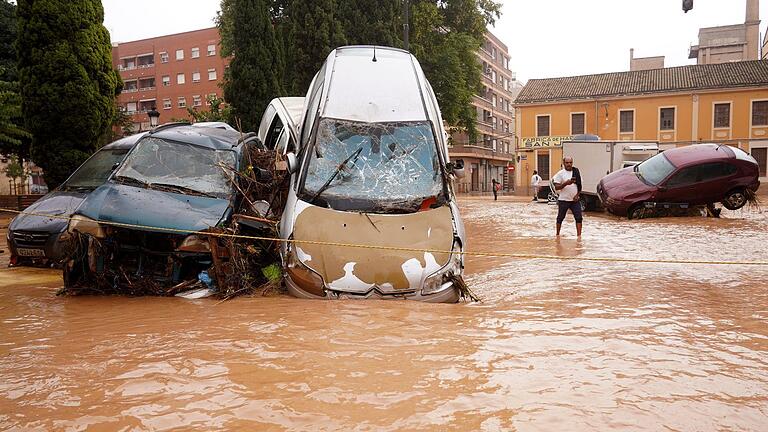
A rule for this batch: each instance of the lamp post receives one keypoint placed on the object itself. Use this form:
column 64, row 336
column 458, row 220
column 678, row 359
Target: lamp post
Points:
column 154, row 118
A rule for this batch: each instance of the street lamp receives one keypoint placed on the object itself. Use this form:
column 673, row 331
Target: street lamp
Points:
column 154, row 117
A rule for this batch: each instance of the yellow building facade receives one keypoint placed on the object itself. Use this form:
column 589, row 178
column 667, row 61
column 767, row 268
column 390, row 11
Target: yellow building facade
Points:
column 726, row 103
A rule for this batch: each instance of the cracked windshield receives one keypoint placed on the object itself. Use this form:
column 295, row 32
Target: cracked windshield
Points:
column 384, row 215
column 384, row 164
column 184, row 167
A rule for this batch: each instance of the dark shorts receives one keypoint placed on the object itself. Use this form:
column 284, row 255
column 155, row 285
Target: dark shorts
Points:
column 562, row 209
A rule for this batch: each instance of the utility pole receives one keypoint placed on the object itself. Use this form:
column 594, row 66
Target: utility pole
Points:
column 406, row 28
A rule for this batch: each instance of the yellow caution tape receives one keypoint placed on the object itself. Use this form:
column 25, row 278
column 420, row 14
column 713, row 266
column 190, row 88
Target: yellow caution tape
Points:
column 407, row 249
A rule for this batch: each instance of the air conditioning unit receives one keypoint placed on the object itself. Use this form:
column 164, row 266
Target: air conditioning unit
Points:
column 487, row 71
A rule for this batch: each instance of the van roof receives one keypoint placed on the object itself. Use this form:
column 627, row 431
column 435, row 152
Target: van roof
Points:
column 385, row 90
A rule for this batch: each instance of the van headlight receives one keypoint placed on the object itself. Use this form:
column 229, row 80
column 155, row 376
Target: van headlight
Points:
column 303, row 276
column 441, row 280
column 86, row 225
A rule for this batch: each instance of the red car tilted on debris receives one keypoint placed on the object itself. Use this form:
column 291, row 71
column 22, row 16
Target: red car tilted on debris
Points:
column 687, row 176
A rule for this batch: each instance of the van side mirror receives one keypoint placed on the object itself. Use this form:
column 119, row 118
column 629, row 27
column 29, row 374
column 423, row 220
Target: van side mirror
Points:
column 456, row 168
column 114, row 167
column 290, row 164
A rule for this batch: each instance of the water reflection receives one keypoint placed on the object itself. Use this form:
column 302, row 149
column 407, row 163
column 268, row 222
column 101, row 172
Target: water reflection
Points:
column 566, row 345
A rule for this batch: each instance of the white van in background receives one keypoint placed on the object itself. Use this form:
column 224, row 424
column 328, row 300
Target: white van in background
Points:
column 596, row 158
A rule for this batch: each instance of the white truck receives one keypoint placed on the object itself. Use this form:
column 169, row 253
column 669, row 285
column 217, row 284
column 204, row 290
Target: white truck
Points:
column 597, row 158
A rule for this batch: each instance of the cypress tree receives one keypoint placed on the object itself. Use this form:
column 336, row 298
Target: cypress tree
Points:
column 7, row 39
column 68, row 84
column 372, row 22
column 315, row 31
column 253, row 76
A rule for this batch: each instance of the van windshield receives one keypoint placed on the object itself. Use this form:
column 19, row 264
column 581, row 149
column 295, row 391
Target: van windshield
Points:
column 390, row 167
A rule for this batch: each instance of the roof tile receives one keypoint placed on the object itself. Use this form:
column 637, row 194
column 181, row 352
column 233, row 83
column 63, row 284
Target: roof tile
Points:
column 682, row 78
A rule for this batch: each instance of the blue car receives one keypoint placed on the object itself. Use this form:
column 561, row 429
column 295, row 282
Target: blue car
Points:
column 42, row 240
column 147, row 221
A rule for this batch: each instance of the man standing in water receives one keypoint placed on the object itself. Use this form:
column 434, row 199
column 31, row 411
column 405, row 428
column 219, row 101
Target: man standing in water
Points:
column 568, row 182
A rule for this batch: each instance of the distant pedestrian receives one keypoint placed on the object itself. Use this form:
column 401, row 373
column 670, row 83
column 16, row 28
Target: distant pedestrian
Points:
column 496, row 186
column 568, row 182
column 535, row 180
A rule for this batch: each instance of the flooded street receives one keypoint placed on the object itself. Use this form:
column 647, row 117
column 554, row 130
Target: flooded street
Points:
column 555, row 345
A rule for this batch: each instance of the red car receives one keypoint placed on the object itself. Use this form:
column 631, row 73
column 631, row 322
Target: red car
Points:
column 681, row 177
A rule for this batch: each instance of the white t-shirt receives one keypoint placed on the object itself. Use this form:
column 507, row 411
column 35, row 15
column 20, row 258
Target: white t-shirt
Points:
column 535, row 179
column 569, row 192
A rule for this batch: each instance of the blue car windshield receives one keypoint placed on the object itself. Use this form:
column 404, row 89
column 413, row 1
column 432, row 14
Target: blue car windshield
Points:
column 655, row 169
column 186, row 166
column 392, row 164
column 95, row 171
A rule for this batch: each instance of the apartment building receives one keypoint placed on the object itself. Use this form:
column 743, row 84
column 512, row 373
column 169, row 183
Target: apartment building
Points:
column 491, row 155
column 169, row 73
column 722, row 103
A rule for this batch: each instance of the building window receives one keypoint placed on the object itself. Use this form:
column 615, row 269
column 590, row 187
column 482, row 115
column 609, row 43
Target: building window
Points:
column 722, row 115
column 542, row 125
column 760, row 113
column 211, row 50
column 130, row 108
column 180, row 78
column 195, row 52
column 761, row 156
column 542, row 164
column 180, row 54
column 163, row 57
column 166, row 80
column 626, row 121
column 182, row 102
column 577, row 123
column 166, row 104
column 211, row 74
column 196, row 100
column 195, row 76
column 667, row 119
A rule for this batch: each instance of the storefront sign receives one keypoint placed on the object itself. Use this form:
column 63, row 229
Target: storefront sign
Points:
column 547, row 141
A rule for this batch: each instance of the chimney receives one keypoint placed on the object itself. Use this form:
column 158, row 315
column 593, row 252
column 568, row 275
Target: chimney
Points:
column 752, row 24
column 753, row 12
column 631, row 54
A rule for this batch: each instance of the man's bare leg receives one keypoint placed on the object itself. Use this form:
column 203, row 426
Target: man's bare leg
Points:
column 558, row 228
column 578, row 230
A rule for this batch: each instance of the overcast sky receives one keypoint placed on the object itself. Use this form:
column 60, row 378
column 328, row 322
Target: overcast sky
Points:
column 546, row 38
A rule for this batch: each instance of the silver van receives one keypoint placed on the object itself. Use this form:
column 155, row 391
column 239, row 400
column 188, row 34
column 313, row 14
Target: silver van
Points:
column 370, row 168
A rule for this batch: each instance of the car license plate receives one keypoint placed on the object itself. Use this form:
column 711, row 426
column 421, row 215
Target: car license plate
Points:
column 31, row 252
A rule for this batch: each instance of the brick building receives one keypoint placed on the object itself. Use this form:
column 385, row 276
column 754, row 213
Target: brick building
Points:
column 170, row 73
column 492, row 153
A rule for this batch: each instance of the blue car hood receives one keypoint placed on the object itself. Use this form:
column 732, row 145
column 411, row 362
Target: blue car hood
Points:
column 58, row 204
column 153, row 209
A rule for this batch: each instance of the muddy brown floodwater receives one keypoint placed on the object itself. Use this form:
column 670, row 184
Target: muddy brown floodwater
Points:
column 554, row 345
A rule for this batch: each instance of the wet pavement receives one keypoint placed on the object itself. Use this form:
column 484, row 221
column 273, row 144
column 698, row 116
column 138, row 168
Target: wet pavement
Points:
column 555, row 345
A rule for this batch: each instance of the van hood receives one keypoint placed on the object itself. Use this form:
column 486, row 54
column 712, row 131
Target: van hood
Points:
column 360, row 269
column 58, row 204
column 151, row 209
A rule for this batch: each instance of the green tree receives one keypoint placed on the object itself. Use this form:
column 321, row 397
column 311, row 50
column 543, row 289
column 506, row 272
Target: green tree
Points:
column 253, row 77
column 14, row 139
column 372, row 22
column 68, row 84
column 315, row 31
column 7, row 39
column 219, row 112
column 445, row 37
